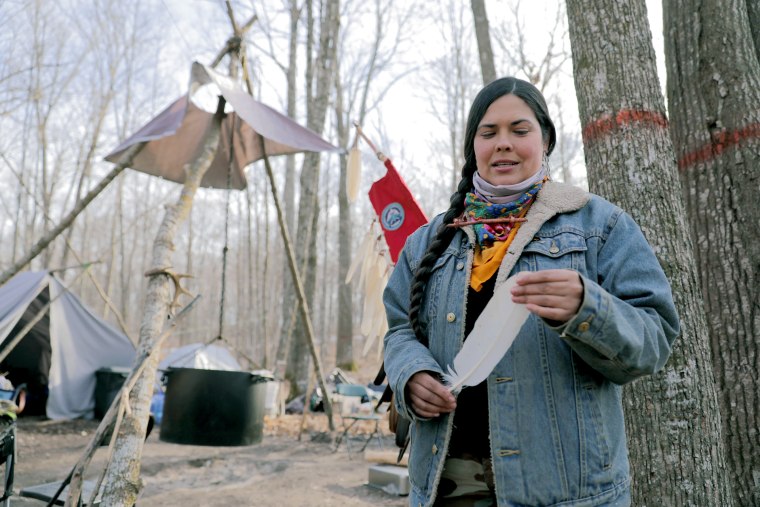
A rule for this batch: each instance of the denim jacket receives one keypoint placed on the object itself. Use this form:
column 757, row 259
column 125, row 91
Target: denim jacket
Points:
column 557, row 435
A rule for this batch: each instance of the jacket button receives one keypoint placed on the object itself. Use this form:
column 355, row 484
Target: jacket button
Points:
column 460, row 266
column 554, row 248
column 583, row 327
column 451, row 317
column 435, row 449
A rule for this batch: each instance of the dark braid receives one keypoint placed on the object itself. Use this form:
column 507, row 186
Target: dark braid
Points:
column 443, row 237
column 498, row 88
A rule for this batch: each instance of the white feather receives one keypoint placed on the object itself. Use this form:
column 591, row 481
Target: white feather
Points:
column 490, row 338
column 353, row 173
column 375, row 323
column 375, row 277
column 368, row 266
column 377, row 320
column 361, row 253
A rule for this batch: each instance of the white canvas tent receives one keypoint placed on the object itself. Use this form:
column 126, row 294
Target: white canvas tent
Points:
column 200, row 356
column 64, row 349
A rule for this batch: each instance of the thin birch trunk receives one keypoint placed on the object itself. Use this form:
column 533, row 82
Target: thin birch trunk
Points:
column 122, row 482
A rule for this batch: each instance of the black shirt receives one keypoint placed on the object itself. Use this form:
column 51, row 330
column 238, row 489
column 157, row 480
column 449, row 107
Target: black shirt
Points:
column 470, row 434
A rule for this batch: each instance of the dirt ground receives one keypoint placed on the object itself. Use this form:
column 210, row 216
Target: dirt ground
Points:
column 279, row 471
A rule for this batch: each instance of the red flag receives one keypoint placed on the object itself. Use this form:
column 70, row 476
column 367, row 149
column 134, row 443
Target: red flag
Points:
column 399, row 213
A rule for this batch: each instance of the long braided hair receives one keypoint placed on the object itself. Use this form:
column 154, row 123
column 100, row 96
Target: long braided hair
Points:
column 496, row 89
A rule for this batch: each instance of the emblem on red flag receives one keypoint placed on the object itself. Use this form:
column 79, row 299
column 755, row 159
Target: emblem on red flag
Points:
column 398, row 210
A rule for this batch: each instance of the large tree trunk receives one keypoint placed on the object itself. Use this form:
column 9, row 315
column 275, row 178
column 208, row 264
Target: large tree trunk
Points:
column 122, row 482
column 482, row 34
column 308, row 211
column 714, row 92
column 630, row 160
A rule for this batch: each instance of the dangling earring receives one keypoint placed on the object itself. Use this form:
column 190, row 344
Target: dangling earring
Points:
column 545, row 164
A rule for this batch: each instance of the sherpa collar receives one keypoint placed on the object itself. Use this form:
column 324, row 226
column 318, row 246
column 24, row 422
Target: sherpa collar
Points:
column 553, row 199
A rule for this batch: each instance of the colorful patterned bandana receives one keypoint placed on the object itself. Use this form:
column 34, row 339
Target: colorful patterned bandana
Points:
column 476, row 207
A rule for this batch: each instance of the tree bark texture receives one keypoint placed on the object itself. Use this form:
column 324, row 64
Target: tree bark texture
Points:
column 344, row 350
column 122, row 483
column 714, row 92
column 674, row 428
column 483, row 36
column 308, row 210
column 753, row 11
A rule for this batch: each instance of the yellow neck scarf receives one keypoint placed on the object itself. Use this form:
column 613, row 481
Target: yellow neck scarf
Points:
column 487, row 260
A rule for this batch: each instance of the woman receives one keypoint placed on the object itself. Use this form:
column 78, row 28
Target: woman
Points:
column 546, row 427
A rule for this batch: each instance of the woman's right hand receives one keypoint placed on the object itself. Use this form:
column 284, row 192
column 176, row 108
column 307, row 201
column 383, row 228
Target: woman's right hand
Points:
column 428, row 397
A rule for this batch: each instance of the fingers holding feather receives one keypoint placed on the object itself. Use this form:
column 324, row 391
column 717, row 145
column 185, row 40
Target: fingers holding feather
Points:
column 428, row 397
column 554, row 294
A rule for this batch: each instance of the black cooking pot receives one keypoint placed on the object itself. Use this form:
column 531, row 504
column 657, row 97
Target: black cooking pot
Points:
column 213, row 407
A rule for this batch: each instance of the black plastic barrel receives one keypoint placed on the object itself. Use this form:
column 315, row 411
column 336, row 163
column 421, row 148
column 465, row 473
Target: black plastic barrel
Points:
column 108, row 381
column 213, row 407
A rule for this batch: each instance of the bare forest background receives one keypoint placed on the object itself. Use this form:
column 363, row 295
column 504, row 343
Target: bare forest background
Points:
column 78, row 77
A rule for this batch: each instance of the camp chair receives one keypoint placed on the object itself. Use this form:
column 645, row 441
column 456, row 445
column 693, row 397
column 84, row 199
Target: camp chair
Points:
column 17, row 399
column 16, row 396
column 350, row 397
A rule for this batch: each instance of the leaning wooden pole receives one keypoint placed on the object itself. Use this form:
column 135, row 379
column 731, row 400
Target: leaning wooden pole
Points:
column 303, row 305
column 114, row 412
column 123, row 163
column 122, row 482
column 292, row 265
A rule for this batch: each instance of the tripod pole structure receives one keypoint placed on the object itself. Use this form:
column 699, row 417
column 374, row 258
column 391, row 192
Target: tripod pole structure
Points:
column 300, row 293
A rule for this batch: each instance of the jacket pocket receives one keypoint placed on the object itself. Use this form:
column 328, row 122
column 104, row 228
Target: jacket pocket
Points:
column 596, row 438
column 555, row 251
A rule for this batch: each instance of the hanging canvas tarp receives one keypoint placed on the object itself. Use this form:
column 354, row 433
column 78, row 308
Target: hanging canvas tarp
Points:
column 175, row 136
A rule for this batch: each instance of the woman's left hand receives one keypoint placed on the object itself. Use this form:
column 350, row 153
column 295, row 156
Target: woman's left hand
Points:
column 554, row 294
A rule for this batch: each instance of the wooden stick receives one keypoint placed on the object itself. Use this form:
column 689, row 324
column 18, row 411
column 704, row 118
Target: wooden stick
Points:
column 460, row 222
column 306, row 404
column 111, row 445
column 300, row 292
column 378, row 153
column 77, row 473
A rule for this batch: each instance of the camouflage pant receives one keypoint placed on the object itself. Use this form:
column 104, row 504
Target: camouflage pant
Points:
column 467, row 481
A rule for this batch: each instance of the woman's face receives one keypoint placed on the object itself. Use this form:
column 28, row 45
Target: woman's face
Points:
column 508, row 143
